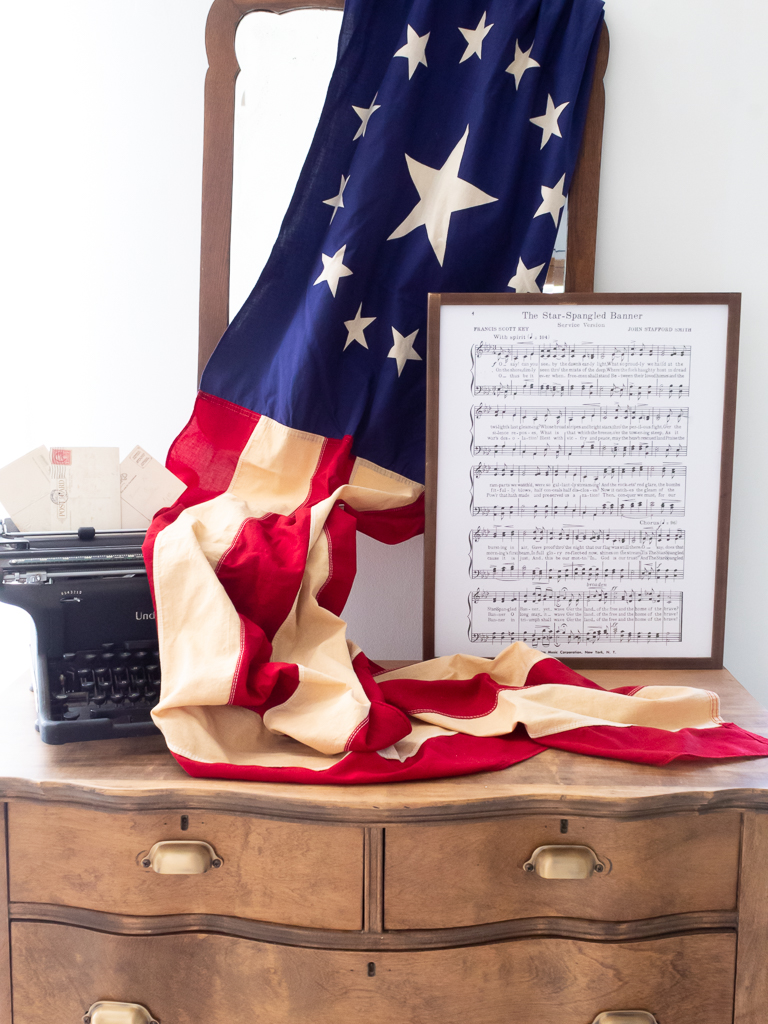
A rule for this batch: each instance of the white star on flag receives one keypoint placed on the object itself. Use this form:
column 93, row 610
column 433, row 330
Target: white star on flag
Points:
column 333, row 269
column 523, row 60
column 364, row 113
column 402, row 350
column 414, row 50
column 554, row 201
column 548, row 121
column 338, row 201
column 356, row 328
column 525, row 278
column 442, row 192
column 475, row 37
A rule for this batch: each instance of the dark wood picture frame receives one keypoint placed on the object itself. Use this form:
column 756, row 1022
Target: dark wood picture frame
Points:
column 218, row 161
column 733, row 302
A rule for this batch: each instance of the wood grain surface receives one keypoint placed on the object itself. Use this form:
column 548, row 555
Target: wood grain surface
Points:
column 5, row 960
column 584, row 190
column 309, row 875
column 370, row 941
column 752, row 974
column 59, row 971
column 140, row 774
column 454, row 875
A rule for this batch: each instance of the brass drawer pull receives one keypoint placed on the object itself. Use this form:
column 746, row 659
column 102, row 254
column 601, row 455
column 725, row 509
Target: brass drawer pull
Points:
column 182, row 857
column 106, row 1012
column 564, row 862
column 625, row 1017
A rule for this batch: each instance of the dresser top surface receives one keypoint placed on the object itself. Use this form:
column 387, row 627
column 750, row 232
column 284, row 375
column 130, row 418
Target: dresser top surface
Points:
column 140, row 773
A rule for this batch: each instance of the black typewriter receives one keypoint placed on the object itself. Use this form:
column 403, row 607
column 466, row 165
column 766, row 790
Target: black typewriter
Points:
column 97, row 672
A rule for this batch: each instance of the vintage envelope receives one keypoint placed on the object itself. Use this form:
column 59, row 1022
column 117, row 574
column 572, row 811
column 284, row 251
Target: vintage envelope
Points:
column 145, row 487
column 85, row 488
column 25, row 490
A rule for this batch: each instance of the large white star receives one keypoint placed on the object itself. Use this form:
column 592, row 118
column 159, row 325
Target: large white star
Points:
column 333, row 269
column 523, row 60
column 402, row 350
column 475, row 37
column 337, row 201
column 442, row 192
column 525, row 278
column 554, row 201
column 356, row 328
column 364, row 113
column 548, row 121
column 414, row 50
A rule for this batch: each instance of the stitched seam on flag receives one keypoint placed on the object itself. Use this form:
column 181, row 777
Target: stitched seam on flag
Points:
column 327, row 533
column 714, row 701
column 195, row 758
column 236, row 675
column 355, row 731
column 305, row 503
column 447, row 714
column 215, row 400
column 388, row 473
column 231, row 546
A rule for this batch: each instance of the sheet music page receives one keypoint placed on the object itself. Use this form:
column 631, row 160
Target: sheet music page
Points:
column 579, row 453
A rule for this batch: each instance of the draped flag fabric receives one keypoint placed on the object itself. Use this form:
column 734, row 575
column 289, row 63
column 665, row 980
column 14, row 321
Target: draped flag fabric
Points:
column 441, row 162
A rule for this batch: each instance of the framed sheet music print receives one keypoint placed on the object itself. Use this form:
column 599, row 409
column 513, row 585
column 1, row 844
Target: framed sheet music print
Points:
column 579, row 459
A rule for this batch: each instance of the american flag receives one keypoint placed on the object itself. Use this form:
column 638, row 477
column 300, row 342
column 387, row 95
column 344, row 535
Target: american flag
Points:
column 441, row 162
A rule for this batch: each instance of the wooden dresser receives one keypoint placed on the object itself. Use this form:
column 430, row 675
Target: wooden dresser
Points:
column 418, row 903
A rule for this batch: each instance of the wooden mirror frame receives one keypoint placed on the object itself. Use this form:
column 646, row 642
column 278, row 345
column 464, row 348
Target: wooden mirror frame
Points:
column 218, row 166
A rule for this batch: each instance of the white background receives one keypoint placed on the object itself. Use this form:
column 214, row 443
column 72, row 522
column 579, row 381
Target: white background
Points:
column 101, row 122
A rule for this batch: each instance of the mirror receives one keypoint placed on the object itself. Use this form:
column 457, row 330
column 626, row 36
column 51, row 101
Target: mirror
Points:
column 286, row 62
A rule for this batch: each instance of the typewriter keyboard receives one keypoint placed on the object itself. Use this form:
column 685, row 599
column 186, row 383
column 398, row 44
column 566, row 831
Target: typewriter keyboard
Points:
column 120, row 681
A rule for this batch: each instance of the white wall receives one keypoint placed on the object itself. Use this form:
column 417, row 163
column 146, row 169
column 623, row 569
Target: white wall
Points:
column 99, row 229
column 101, row 117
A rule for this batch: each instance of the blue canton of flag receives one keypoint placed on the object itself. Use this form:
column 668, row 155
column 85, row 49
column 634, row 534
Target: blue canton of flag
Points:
column 441, row 162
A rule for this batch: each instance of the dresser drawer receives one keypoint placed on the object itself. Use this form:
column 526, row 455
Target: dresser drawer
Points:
column 60, row 971
column 288, row 873
column 447, row 876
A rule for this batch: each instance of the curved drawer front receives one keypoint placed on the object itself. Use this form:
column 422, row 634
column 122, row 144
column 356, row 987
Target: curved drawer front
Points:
column 454, row 875
column 288, row 873
column 60, row 971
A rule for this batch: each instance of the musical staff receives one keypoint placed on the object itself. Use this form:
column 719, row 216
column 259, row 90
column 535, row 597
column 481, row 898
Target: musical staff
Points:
column 548, row 638
column 553, row 451
column 586, row 389
column 557, row 617
column 620, row 431
column 581, row 372
column 549, row 414
column 542, row 535
column 569, row 598
column 582, row 473
column 554, row 573
column 576, row 553
column 582, row 352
